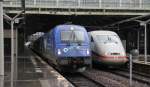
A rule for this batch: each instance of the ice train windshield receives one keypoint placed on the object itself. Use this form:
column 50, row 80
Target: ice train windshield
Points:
column 107, row 38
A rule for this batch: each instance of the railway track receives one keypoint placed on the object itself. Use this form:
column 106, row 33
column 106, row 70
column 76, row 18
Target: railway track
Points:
column 139, row 77
column 79, row 80
column 111, row 79
column 104, row 78
column 107, row 78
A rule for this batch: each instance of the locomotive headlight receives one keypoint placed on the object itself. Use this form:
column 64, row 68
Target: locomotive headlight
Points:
column 58, row 51
column 87, row 51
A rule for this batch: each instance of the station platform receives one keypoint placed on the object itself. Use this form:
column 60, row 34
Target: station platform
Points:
column 139, row 65
column 140, row 60
column 31, row 71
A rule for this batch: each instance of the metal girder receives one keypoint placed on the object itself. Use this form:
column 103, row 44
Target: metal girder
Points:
column 127, row 20
column 144, row 22
column 12, row 19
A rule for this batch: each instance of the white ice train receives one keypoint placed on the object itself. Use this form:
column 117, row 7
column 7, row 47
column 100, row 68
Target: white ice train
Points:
column 107, row 48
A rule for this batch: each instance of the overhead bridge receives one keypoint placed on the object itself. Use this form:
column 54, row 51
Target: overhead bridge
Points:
column 80, row 7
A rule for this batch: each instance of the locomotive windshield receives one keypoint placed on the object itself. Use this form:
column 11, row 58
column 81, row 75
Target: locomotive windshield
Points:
column 107, row 38
column 72, row 36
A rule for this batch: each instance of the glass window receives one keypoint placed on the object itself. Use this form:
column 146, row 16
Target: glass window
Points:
column 114, row 38
column 101, row 38
column 107, row 38
column 72, row 36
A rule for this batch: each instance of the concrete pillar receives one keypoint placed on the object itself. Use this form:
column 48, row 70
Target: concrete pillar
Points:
column 100, row 3
column 120, row 3
column 1, row 40
column 34, row 2
column 16, row 57
column 1, row 46
column 145, row 41
column 57, row 3
column 12, row 53
column 140, row 3
column 138, row 39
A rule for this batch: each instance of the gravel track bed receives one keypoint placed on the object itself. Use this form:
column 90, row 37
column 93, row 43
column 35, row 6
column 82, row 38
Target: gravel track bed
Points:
column 109, row 79
column 78, row 80
column 137, row 77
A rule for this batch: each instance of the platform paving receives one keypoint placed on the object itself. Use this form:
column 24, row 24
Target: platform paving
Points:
column 31, row 71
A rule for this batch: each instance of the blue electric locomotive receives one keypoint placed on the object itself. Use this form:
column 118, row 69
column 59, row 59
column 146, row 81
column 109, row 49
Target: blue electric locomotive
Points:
column 66, row 46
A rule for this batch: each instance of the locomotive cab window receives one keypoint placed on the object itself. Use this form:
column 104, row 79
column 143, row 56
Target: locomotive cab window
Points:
column 72, row 36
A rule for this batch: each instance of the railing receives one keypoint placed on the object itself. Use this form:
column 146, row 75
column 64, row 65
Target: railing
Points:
column 81, row 4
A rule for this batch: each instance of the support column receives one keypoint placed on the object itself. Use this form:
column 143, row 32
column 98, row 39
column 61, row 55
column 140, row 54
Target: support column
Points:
column 100, row 3
column 140, row 3
column 16, row 57
column 13, row 59
column 1, row 40
column 79, row 3
column 12, row 53
column 145, row 41
column 1, row 46
column 138, row 39
column 57, row 3
column 34, row 2
column 120, row 3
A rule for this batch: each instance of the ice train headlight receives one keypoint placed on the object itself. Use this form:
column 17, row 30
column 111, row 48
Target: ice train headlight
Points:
column 87, row 51
column 58, row 51
column 123, row 53
column 107, row 53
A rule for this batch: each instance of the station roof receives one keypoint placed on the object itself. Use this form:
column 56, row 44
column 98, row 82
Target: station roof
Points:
column 43, row 23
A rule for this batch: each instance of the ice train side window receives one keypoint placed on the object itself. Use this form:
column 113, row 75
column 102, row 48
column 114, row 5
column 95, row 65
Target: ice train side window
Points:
column 101, row 38
column 107, row 38
column 114, row 38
